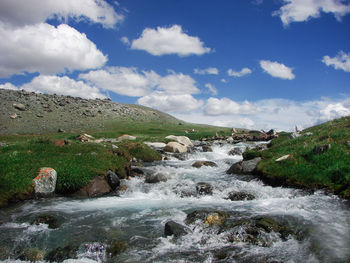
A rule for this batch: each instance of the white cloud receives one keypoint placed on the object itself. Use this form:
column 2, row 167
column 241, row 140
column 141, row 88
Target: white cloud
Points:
column 333, row 111
column 58, row 85
column 130, row 82
column 243, row 72
column 226, row 106
column 209, row 71
column 303, row 10
column 30, row 12
column 8, row 85
column 125, row 41
column 341, row 61
column 276, row 69
column 171, row 40
column 46, row 49
column 170, row 102
column 223, row 80
column 211, row 89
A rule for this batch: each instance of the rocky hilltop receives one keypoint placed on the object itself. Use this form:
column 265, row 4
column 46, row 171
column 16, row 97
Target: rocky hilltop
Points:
column 23, row 112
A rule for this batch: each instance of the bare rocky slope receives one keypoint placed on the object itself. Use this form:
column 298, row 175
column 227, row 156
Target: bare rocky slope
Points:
column 23, row 112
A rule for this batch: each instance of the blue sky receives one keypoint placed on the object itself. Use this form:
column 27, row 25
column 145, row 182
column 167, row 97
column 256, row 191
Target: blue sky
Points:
column 244, row 63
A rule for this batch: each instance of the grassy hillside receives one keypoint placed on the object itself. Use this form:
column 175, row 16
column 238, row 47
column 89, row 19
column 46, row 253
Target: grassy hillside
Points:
column 307, row 167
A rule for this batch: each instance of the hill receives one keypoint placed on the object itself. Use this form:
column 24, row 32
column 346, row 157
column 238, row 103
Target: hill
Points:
column 23, row 112
column 319, row 158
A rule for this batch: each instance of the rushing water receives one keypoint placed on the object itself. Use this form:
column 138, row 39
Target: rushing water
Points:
column 138, row 217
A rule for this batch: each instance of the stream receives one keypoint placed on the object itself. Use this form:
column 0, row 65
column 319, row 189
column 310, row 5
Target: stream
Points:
column 316, row 226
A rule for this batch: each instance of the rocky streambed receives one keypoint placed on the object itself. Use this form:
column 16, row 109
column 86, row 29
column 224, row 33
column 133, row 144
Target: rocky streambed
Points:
column 183, row 209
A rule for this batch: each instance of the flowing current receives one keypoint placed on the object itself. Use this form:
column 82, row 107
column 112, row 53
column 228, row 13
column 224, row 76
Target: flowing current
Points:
column 137, row 218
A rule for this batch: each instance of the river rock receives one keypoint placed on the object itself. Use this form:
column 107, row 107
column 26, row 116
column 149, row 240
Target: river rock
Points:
column 45, row 182
column 115, row 248
column 175, row 147
column 207, row 148
column 181, row 139
column 49, row 220
column 175, row 229
column 207, row 217
column 204, row 188
column 155, row 178
column 156, row 145
column 244, row 167
column 236, row 151
column 98, row 186
column 136, row 172
column 126, row 137
column 199, row 164
column 113, row 180
column 240, row 196
column 33, row 254
column 60, row 254
column 19, row 106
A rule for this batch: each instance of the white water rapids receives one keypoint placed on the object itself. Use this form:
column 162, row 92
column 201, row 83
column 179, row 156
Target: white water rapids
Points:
column 138, row 217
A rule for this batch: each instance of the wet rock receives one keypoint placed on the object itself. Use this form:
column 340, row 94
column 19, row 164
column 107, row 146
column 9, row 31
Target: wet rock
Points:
column 236, row 151
column 175, row 229
column 39, row 115
column 155, row 178
column 199, row 164
column 181, row 156
column 5, row 252
column 244, row 167
column 60, row 254
column 203, row 188
column 175, row 147
column 207, row 148
column 45, row 182
column 240, row 196
column 215, row 218
column 116, row 247
column 33, row 254
column 136, row 172
column 319, row 149
column 49, row 220
column 98, row 186
column 19, row 106
column 121, row 189
column 113, row 180
column 185, row 141
column 207, row 217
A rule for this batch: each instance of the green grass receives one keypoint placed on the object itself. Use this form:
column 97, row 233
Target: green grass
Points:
column 76, row 163
column 329, row 170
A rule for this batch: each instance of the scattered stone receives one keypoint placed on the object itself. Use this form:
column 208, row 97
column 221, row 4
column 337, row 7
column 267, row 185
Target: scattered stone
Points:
column 113, row 180
column 319, row 149
column 203, row 188
column 49, row 220
column 272, row 132
column 98, row 186
column 19, row 106
column 45, row 182
column 116, row 248
column 236, row 151
column 244, row 167
column 199, row 164
column 155, row 145
column 211, row 218
column 126, row 137
column 175, row 229
column 82, row 138
column 284, row 157
column 215, row 218
column 40, row 115
column 13, row 116
column 240, row 196
column 61, row 130
column 308, row 134
column 181, row 139
column 60, row 143
column 207, row 148
column 175, row 147
column 88, row 136
column 33, row 254
column 261, row 147
column 157, row 178
column 136, row 172
column 230, row 140
column 114, row 146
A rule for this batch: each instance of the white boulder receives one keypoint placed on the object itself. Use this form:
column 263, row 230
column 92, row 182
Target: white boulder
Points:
column 175, row 147
column 181, row 139
column 45, row 182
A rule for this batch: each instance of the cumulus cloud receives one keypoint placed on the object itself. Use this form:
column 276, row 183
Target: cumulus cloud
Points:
column 243, row 72
column 209, row 71
column 223, row 80
column 8, row 85
column 58, row 85
column 171, row 40
column 170, row 102
column 46, row 49
column 333, row 111
column 125, row 41
column 131, row 82
column 303, row 10
column 340, row 61
column 30, row 12
column 277, row 70
column 211, row 89
column 226, row 106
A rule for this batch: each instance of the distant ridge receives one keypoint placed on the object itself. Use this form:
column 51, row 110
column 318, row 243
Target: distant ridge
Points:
column 23, row 112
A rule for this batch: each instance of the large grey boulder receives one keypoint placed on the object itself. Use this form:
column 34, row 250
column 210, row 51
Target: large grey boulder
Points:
column 45, row 182
column 181, row 139
column 98, row 186
column 175, row 229
column 175, row 147
column 204, row 188
column 244, row 167
column 113, row 180
column 199, row 164
column 155, row 178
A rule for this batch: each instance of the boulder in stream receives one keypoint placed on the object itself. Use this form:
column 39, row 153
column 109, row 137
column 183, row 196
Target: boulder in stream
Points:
column 98, row 186
column 113, row 180
column 204, row 188
column 60, row 254
column 45, row 182
column 175, row 229
column 155, row 178
column 244, row 167
column 181, row 139
column 199, row 164
column 49, row 220
column 175, row 147
column 240, row 196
